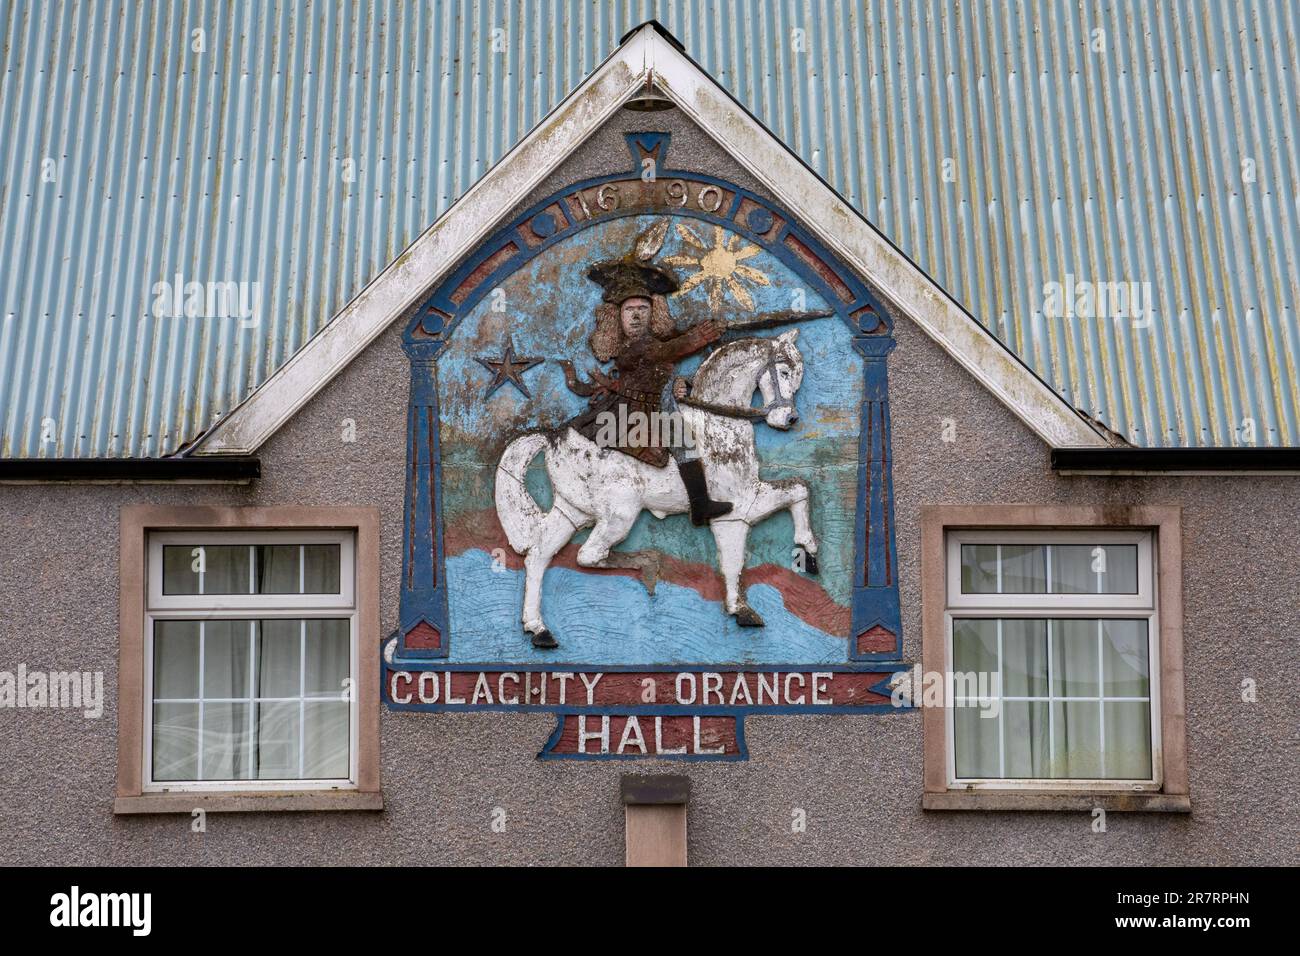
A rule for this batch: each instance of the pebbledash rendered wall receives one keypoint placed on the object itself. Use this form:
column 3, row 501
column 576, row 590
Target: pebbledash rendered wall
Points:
column 859, row 778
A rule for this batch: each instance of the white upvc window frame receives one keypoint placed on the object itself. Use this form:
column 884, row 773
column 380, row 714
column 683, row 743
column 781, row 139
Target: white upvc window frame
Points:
column 251, row 607
column 1142, row 605
column 219, row 603
column 1144, row 598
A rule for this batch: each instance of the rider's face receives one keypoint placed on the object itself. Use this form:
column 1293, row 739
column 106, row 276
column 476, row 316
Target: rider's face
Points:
column 636, row 317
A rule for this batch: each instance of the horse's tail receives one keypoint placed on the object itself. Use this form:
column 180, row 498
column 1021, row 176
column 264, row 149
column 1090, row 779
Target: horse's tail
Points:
column 516, row 508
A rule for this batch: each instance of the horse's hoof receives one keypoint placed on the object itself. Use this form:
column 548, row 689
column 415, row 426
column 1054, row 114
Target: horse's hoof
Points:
column 545, row 641
column 810, row 565
column 746, row 616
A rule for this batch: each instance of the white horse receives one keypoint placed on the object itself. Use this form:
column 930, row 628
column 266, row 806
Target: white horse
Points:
column 608, row 489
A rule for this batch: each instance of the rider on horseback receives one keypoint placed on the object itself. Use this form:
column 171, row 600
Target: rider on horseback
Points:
column 635, row 331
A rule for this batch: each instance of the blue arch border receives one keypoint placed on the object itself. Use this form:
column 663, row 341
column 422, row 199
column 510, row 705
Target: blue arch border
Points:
column 423, row 638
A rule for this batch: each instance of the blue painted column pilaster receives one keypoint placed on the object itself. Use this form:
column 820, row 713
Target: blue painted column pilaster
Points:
column 877, row 631
column 423, row 615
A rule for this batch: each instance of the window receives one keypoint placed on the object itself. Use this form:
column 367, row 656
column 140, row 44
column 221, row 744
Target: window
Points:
column 246, row 639
column 1057, row 628
column 250, row 654
column 1057, row 636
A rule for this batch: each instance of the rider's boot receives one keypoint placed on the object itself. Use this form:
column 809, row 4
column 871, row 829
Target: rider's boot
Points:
column 703, row 508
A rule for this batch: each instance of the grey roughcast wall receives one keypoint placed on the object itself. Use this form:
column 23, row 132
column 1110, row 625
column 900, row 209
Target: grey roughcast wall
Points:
column 857, row 778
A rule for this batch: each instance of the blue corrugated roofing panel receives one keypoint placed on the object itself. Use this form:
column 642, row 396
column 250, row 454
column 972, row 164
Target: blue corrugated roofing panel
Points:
column 301, row 146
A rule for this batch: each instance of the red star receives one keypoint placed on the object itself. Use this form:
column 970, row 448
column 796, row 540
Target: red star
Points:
column 508, row 368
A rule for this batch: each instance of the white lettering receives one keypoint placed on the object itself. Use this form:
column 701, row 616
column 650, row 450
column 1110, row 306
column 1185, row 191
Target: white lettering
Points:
column 501, row 688
column 632, row 725
column 392, row 688
column 591, row 687
column 429, row 696
column 819, row 680
column 563, row 677
column 738, row 687
column 681, row 697
column 602, row 735
column 788, row 698
column 447, row 697
column 712, row 685
column 103, row 909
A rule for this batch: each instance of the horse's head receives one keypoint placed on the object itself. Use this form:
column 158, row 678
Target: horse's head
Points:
column 780, row 380
column 729, row 376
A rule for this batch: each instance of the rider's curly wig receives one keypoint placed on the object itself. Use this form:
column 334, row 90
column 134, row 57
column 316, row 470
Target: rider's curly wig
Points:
column 608, row 339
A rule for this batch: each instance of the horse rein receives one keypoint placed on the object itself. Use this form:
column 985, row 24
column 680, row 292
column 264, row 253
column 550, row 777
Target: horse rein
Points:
column 753, row 414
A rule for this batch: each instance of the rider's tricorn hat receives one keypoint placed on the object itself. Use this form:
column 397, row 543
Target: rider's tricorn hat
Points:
column 636, row 274
column 623, row 279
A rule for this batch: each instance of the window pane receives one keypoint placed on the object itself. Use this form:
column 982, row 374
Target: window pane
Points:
column 979, row 569
column 1072, row 569
column 179, row 576
column 176, row 659
column 1128, row 740
column 975, row 743
column 283, row 746
column 1124, row 659
column 975, row 646
column 225, row 742
column 1077, row 739
column 1119, row 563
column 1094, row 569
column 1074, row 658
column 329, row 657
column 1024, row 658
column 210, row 740
column 1026, row 738
column 279, row 660
column 225, row 569
column 175, row 741
column 326, row 741
column 278, row 569
column 322, row 569
column 225, row 659
column 1075, row 569
column 277, row 740
column 1024, row 569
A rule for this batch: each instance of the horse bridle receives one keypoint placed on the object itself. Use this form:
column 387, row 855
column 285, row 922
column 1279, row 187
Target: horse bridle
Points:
column 754, row 414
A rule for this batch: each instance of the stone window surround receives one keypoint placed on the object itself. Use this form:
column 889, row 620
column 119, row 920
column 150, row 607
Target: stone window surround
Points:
column 1165, row 522
column 136, row 522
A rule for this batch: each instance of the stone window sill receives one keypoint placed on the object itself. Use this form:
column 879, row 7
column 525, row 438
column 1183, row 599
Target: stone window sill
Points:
column 1057, row 800
column 249, row 802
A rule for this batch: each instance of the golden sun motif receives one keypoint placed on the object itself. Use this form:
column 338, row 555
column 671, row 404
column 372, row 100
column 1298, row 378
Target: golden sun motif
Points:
column 720, row 267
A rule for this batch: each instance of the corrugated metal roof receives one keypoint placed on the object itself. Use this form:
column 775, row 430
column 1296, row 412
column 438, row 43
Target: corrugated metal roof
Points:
column 302, row 146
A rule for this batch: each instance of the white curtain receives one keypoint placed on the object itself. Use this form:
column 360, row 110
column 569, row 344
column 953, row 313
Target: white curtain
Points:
column 271, row 704
column 1052, row 736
